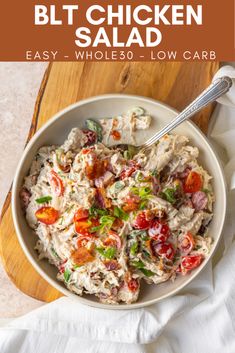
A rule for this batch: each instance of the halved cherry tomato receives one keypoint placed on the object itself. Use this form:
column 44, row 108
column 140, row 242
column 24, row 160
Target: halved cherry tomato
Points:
column 186, row 243
column 163, row 249
column 83, row 240
column 142, row 220
column 47, row 215
column 83, row 227
column 193, row 182
column 81, row 214
column 133, row 285
column 113, row 240
column 81, row 256
column 190, row 262
column 159, row 231
column 56, row 183
column 129, row 170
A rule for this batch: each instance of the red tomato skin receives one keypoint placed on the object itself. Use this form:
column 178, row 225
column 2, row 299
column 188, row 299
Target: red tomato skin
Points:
column 83, row 240
column 47, row 215
column 190, row 262
column 193, row 183
column 133, row 285
column 186, row 244
column 165, row 250
column 81, row 214
column 57, row 183
column 82, row 227
column 141, row 221
column 159, row 231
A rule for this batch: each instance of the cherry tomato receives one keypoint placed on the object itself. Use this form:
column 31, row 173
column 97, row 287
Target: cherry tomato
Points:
column 186, row 243
column 159, row 231
column 129, row 170
column 83, row 227
column 47, row 215
column 91, row 137
column 113, row 240
column 142, row 221
column 193, row 182
column 83, row 240
column 133, row 285
column 163, row 249
column 190, row 262
column 81, row 214
column 56, row 183
column 81, row 256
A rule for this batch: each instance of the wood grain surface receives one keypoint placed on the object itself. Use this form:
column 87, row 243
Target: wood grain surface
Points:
column 65, row 83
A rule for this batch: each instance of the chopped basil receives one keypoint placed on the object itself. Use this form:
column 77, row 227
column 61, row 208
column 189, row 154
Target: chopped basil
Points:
column 134, row 248
column 146, row 253
column 54, row 253
column 206, row 191
column 44, row 199
column 108, row 253
column 146, row 272
column 119, row 213
column 96, row 127
column 140, row 265
column 169, row 195
column 95, row 211
column 67, row 275
column 106, row 222
column 143, row 205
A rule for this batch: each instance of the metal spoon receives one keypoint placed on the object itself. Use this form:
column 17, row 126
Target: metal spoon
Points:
column 209, row 95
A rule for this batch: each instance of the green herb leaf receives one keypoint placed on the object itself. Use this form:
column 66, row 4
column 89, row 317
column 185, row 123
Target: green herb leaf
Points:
column 143, row 205
column 44, row 199
column 134, row 248
column 95, row 211
column 138, row 264
column 108, row 253
column 119, row 213
column 146, row 272
column 67, row 275
column 206, row 191
column 169, row 195
column 96, row 127
column 106, row 222
column 54, row 253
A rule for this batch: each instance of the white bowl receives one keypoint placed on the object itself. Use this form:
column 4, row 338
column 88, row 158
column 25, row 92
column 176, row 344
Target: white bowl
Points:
column 55, row 132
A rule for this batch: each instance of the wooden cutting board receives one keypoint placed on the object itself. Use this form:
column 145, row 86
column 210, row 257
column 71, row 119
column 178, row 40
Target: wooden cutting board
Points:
column 64, row 83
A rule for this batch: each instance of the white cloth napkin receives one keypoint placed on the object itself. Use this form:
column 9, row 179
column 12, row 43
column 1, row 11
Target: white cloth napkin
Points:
column 201, row 318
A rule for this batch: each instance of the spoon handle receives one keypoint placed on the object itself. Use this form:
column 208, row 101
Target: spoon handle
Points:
column 213, row 92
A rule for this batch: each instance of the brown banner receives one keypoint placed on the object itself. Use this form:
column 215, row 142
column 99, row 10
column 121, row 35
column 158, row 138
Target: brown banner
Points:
column 169, row 30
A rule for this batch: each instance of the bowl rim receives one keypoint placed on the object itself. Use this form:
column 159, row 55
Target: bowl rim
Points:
column 54, row 282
